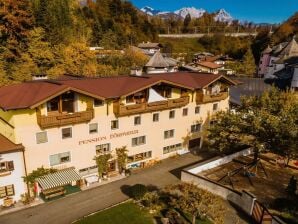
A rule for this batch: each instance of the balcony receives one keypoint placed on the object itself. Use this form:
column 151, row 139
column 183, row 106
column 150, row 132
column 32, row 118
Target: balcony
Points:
column 125, row 110
column 57, row 120
column 203, row 98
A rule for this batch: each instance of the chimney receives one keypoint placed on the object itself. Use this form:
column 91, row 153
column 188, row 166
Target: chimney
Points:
column 136, row 71
column 41, row 76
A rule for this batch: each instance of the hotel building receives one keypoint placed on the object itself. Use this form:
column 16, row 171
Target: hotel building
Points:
column 67, row 122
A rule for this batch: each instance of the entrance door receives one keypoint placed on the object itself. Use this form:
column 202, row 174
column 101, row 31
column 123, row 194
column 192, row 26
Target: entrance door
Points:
column 112, row 166
column 194, row 144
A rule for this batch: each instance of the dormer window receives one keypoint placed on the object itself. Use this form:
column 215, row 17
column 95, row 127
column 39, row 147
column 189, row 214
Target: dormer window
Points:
column 62, row 104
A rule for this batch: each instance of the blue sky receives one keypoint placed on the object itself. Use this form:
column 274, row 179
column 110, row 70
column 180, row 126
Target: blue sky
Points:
column 272, row 11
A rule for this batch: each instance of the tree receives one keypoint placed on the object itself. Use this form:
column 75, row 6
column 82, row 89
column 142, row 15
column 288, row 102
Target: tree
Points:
column 102, row 163
column 196, row 202
column 121, row 158
column 266, row 122
column 249, row 65
column 16, row 21
column 292, row 187
column 186, row 23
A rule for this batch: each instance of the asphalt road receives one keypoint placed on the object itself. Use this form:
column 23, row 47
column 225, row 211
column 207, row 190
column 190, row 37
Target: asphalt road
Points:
column 73, row 207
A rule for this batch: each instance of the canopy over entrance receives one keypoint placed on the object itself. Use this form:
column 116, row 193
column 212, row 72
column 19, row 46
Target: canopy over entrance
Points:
column 59, row 178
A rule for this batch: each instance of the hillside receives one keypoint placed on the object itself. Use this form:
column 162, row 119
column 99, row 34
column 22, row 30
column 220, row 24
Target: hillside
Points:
column 287, row 29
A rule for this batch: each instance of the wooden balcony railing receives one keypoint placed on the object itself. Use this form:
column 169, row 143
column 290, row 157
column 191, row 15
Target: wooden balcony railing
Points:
column 58, row 120
column 203, row 98
column 125, row 110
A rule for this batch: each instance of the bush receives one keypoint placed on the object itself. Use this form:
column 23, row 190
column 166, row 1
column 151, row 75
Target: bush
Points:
column 286, row 205
column 150, row 199
column 174, row 217
column 138, row 191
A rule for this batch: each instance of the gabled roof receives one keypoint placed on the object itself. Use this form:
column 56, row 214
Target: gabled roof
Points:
column 26, row 94
column 157, row 61
column 7, row 146
column 208, row 64
column 32, row 94
column 290, row 50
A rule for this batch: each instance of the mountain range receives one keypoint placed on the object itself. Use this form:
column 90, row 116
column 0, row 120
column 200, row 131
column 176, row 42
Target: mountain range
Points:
column 221, row 15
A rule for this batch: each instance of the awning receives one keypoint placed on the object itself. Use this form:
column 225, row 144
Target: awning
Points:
column 59, row 178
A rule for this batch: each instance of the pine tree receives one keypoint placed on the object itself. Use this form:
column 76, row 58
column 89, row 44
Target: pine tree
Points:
column 249, row 65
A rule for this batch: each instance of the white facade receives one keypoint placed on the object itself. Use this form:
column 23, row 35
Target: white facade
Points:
column 82, row 145
column 13, row 177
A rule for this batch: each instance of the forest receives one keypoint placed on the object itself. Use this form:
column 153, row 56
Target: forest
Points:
column 53, row 37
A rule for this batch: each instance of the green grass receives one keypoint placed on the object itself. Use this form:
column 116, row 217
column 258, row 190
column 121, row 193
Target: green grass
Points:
column 126, row 213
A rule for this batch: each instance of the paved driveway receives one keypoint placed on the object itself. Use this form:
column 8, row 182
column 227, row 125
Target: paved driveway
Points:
column 75, row 206
column 72, row 207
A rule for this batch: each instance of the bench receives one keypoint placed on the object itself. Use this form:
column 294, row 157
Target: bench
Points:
column 53, row 192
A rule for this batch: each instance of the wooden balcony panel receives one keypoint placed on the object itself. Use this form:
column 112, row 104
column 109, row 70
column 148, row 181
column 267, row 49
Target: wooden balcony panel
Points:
column 124, row 110
column 64, row 119
column 201, row 98
column 180, row 102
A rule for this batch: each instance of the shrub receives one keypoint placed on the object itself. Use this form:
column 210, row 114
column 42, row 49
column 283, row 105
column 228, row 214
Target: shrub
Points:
column 138, row 191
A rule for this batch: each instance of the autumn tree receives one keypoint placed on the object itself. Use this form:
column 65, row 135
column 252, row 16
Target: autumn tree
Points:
column 196, row 202
column 16, row 21
column 121, row 158
column 249, row 65
column 262, row 122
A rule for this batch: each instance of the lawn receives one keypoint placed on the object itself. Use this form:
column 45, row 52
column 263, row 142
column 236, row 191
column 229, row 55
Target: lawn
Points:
column 126, row 213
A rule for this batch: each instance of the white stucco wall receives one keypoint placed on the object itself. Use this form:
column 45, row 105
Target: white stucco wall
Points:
column 15, row 176
column 82, row 154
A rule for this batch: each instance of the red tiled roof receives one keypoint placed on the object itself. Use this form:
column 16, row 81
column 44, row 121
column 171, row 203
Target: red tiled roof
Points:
column 208, row 64
column 7, row 146
column 26, row 95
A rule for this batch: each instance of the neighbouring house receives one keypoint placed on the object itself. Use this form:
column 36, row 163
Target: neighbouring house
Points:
column 150, row 48
column 12, row 167
column 64, row 123
column 160, row 64
column 264, row 61
column 279, row 58
column 210, row 67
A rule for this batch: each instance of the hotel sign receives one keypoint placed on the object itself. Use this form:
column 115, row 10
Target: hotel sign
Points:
column 108, row 137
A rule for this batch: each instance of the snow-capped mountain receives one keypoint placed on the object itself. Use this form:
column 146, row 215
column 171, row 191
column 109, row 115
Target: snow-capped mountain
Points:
column 150, row 11
column 192, row 11
column 223, row 16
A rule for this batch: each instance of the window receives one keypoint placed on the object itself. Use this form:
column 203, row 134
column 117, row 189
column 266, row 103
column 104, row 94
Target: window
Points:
column 68, row 102
column 114, row 124
column 195, row 128
column 172, row 148
column 156, row 117
column 66, row 133
column 139, row 156
column 62, row 104
column 197, row 110
column 41, row 137
column 59, row 158
column 138, row 141
column 185, row 112
column 103, row 148
column 53, row 105
column 215, row 106
column 172, row 114
column 137, row 120
column 130, row 99
column 93, row 128
column 6, row 191
column 6, row 166
column 98, row 103
column 169, row 134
